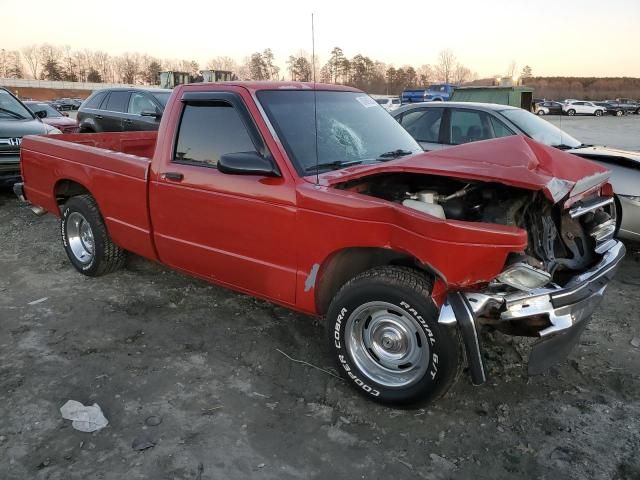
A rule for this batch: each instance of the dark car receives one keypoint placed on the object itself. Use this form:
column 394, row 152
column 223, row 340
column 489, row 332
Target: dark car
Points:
column 67, row 104
column 611, row 108
column 548, row 107
column 122, row 110
column 632, row 106
column 16, row 121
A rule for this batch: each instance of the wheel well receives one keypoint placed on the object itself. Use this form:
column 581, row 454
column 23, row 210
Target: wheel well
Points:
column 66, row 189
column 345, row 264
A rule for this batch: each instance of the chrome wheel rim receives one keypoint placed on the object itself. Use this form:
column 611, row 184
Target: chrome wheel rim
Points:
column 387, row 344
column 80, row 238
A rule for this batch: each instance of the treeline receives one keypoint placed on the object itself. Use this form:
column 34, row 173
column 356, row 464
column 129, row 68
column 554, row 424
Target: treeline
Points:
column 51, row 62
column 586, row 88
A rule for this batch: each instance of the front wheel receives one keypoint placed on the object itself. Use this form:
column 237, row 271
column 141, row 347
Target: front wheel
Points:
column 619, row 113
column 86, row 240
column 598, row 113
column 571, row 112
column 384, row 334
column 541, row 112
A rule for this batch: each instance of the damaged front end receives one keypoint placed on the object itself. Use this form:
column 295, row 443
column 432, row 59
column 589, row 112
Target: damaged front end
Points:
column 548, row 291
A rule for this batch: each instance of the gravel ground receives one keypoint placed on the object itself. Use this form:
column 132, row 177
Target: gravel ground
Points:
column 147, row 341
column 618, row 132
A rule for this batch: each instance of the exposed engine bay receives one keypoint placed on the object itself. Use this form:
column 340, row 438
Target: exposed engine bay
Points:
column 558, row 244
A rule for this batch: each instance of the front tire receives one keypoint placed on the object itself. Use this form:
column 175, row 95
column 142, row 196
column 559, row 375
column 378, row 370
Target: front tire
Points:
column 86, row 240
column 619, row 113
column 598, row 113
column 384, row 335
column 571, row 112
column 541, row 113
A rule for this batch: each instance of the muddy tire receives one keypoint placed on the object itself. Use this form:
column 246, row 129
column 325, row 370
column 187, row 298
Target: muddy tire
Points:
column 86, row 240
column 384, row 335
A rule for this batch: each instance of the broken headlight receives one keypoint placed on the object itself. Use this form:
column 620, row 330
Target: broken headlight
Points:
column 524, row 277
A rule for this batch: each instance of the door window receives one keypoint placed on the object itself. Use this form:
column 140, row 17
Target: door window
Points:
column 209, row 130
column 499, row 128
column 117, row 102
column 423, row 124
column 469, row 126
column 96, row 100
column 140, row 103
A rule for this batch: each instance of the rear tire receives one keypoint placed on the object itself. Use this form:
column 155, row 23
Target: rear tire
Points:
column 86, row 240
column 384, row 335
column 571, row 112
column 619, row 113
column 541, row 113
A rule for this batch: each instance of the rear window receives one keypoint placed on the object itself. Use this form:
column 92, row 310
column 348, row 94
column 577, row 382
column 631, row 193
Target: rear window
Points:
column 382, row 101
column 118, row 101
column 95, row 101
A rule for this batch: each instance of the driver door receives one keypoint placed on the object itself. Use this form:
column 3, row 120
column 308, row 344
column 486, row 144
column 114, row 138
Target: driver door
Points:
column 237, row 230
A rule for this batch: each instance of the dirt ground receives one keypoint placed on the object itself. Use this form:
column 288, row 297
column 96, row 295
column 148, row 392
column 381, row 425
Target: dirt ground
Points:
column 147, row 341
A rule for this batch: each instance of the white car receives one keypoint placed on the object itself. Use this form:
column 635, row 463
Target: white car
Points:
column 582, row 107
column 390, row 103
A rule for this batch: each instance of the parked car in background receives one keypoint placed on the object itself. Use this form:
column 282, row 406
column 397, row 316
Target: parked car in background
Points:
column 442, row 126
column 53, row 117
column 16, row 121
column 122, row 110
column 319, row 201
column 626, row 108
column 548, row 107
column 611, row 108
column 67, row 104
column 629, row 104
column 389, row 104
column 440, row 92
column 582, row 107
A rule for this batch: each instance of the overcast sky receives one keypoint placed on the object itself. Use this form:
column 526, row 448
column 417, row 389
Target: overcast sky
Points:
column 554, row 37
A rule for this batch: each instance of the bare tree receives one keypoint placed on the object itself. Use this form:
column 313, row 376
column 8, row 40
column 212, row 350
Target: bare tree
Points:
column 446, row 65
column 32, row 57
column 223, row 63
column 461, row 74
column 425, row 74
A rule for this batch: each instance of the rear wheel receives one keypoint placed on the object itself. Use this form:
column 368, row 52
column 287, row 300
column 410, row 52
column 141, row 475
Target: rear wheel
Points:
column 384, row 334
column 86, row 240
column 541, row 112
column 619, row 113
column 571, row 112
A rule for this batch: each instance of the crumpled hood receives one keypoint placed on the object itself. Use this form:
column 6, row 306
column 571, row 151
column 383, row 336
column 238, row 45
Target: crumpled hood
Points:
column 515, row 160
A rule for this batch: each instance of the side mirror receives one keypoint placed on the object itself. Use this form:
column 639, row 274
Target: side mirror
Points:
column 247, row 163
column 41, row 114
column 151, row 113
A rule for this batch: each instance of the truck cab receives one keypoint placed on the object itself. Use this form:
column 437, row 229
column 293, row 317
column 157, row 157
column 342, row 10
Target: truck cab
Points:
column 439, row 92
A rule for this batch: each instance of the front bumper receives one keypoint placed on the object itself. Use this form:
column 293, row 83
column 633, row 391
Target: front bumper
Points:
column 562, row 311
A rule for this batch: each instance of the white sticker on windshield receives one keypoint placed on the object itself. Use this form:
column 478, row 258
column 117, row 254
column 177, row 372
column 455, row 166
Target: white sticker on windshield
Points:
column 366, row 101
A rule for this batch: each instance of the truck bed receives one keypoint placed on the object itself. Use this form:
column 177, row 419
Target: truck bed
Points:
column 104, row 163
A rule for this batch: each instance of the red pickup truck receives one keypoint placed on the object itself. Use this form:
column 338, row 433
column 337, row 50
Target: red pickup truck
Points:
column 313, row 197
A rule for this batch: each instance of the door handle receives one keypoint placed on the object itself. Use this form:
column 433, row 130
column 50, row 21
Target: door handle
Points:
column 99, row 117
column 126, row 120
column 173, row 176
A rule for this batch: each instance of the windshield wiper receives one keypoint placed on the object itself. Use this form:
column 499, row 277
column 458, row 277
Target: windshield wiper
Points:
column 11, row 112
column 386, row 156
column 331, row 165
